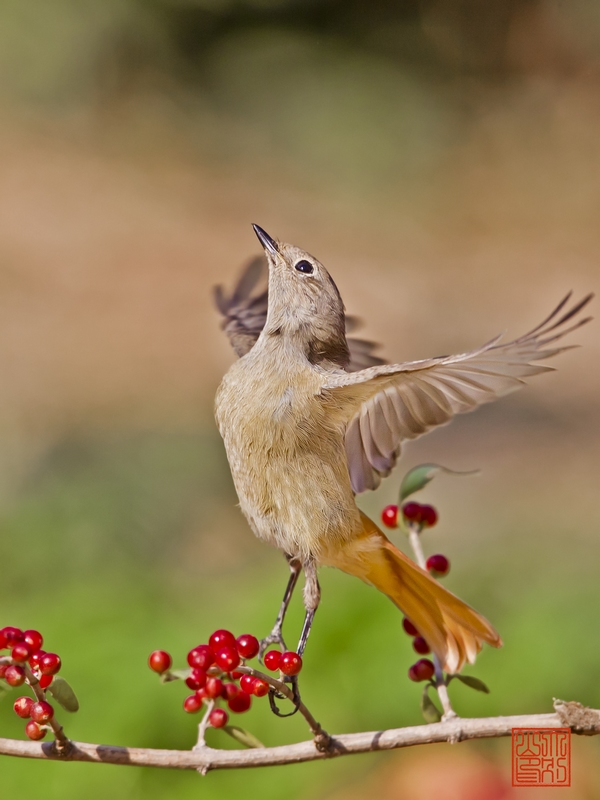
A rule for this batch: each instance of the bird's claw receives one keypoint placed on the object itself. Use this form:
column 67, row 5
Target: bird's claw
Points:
column 295, row 699
column 293, row 681
column 275, row 637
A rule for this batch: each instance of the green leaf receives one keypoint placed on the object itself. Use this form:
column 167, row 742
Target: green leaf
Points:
column 428, row 708
column 242, row 736
column 474, row 683
column 64, row 695
column 418, row 477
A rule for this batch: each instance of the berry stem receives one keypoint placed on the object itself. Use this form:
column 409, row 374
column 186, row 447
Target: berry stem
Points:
column 442, row 690
column 415, row 543
column 62, row 744
column 440, row 681
column 203, row 726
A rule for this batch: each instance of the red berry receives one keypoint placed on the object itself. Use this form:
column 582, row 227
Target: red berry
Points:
column 11, row 635
column 221, row 638
column 247, row 683
column 422, row 670
column 409, row 627
column 22, row 707
column 412, row 512
column 227, row 658
column 240, row 702
column 34, row 661
column 21, row 652
column 46, row 680
column 3, row 640
column 389, row 516
column 218, row 718
column 50, row 663
column 235, row 675
column 260, row 688
column 428, row 516
column 192, row 704
column 201, row 657
column 290, row 663
column 420, row 646
column 229, row 690
column 15, row 675
column 196, row 679
column 247, row 645
column 214, row 687
column 201, row 694
column 34, row 639
column 33, row 731
column 160, row 661
column 438, row 565
column 272, row 659
column 41, row 711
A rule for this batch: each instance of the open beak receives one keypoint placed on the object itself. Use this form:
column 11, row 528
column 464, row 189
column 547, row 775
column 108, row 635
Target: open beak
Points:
column 263, row 237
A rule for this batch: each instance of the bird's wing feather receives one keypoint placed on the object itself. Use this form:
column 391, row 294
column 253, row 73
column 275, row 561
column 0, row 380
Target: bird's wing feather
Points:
column 244, row 314
column 384, row 405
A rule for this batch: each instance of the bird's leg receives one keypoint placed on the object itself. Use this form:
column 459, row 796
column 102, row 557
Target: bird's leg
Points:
column 276, row 635
column 312, row 597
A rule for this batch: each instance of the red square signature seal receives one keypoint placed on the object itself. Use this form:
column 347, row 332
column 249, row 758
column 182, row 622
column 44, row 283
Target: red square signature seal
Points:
column 541, row 756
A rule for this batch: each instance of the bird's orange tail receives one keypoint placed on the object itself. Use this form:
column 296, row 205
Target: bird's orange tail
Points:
column 453, row 630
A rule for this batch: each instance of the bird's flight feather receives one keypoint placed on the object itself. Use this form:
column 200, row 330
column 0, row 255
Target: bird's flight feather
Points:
column 388, row 403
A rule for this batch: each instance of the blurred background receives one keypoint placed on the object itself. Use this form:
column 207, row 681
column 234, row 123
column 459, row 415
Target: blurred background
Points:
column 441, row 158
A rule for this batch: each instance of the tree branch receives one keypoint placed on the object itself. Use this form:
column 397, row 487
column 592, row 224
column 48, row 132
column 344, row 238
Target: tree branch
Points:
column 581, row 720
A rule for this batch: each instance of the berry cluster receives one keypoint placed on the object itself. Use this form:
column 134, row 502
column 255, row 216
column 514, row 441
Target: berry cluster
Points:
column 214, row 677
column 28, row 663
column 418, row 516
column 423, row 669
column 415, row 513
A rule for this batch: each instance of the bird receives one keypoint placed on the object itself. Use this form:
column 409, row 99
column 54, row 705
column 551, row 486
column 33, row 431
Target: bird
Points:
column 311, row 417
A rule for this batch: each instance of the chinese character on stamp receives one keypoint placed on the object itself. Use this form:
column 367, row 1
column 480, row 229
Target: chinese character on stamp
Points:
column 541, row 756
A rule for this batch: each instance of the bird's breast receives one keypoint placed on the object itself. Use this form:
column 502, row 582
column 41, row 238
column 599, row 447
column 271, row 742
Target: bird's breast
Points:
column 287, row 458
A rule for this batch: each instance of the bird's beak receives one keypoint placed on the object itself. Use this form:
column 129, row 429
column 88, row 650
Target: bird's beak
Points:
column 263, row 237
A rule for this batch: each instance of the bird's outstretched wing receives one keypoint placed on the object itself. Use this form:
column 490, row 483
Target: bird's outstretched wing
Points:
column 245, row 312
column 386, row 404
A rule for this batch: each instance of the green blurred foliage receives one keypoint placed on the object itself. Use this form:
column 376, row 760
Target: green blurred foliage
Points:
column 92, row 555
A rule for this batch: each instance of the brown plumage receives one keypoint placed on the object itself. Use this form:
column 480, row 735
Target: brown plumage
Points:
column 304, row 433
column 245, row 312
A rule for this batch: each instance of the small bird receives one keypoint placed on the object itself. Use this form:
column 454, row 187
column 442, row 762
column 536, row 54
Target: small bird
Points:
column 310, row 417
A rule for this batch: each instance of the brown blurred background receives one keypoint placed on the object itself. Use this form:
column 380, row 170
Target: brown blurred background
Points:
column 442, row 158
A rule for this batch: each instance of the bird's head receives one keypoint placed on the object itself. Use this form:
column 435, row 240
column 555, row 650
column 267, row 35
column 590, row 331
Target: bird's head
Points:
column 304, row 302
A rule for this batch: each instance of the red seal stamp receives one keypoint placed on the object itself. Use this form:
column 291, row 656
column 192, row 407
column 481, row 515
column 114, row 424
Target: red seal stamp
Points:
column 541, row 756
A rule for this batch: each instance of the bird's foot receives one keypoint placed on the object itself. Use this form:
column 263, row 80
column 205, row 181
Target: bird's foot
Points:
column 295, row 699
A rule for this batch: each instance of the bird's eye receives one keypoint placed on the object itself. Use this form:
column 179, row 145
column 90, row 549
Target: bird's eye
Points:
column 305, row 266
